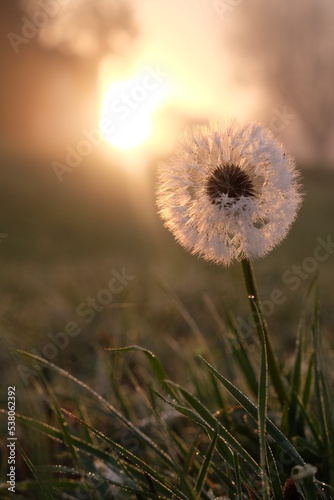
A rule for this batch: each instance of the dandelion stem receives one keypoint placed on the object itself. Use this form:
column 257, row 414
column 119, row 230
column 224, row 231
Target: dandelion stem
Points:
column 260, row 322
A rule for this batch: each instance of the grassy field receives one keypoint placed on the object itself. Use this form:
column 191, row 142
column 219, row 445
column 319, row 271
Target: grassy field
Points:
column 64, row 241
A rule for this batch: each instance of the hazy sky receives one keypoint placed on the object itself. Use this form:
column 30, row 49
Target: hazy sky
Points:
column 271, row 62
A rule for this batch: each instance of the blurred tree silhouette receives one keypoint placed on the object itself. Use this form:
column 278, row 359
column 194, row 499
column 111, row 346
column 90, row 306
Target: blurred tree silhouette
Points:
column 86, row 28
column 290, row 46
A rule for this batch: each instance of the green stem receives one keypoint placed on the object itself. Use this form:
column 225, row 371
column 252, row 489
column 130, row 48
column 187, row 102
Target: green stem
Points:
column 257, row 313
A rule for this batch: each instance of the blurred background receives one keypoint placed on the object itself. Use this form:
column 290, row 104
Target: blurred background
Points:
column 94, row 94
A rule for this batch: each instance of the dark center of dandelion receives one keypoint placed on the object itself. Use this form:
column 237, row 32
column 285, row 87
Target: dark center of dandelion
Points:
column 231, row 180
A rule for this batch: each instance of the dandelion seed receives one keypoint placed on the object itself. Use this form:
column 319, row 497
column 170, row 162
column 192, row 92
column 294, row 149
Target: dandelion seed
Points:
column 228, row 192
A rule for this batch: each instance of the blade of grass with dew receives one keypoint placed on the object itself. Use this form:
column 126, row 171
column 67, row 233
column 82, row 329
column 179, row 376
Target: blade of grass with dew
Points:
column 328, row 407
column 325, row 402
column 206, row 464
column 131, row 458
column 31, row 488
column 239, row 350
column 254, row 298
column 57, row 435
column 272, row 430
column 187, row 357
column 119, row 465
column 262, row 411
column 237, row 343
column 306, row 392
column 84, row 417
column 237, row 476
column 216, row 392
column 295, row 385
column 198, row 420
column 312, row 423
column 224, row 436
column 45, row 489
column 212, row 423
column 104, row 456
column 321, row 410
column 251, row 409
column 308, row 381
column 189, row 456
column 224, row 478
column 155, row 364
column 161, row 377
column 92, row 480
column 274, row 475
column 121, row 400
column 144, row 437
column 62, row 424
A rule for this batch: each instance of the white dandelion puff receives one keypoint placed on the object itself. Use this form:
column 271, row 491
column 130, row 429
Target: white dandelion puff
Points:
column 229, row 191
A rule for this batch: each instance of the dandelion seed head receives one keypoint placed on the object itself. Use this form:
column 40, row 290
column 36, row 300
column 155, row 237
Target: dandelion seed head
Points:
column 228, row 191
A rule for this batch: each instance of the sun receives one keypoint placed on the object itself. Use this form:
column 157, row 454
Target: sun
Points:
column 127, row 109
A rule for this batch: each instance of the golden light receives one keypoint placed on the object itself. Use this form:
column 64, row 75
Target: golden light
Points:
column 127, row 107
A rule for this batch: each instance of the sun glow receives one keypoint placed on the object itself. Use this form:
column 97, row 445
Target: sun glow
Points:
column 128, row 105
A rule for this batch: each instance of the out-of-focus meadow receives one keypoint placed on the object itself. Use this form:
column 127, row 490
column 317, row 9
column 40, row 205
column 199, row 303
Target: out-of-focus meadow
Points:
column 61, row 237
column 65, row 239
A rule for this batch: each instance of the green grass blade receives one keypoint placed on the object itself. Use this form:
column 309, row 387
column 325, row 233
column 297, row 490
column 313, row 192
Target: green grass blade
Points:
column 190, row 454
column 62, row 424
column 274, row 475
column 45, row 489
column 131, row 458
column 256, row 309
column 295, row 386
column 307, row 391
column 58, row 436
column 328, row 407
column 110, row 408
column 236, row 342
column 262, row 414
column 155, row 364
column 237, row 476
column 251, row 409
column 312, row 423
column 240, row 352
column 190, row 463
column 216, row 392
column 308, row 381
column 285, row 419
column 98, row 479
column 99, row 453
column 84, row 417
column 319, row 397
column 31, row 488
column 212, row 423
column 206, row 464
